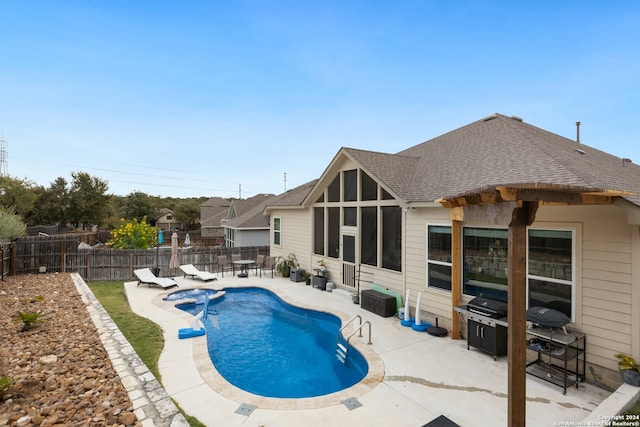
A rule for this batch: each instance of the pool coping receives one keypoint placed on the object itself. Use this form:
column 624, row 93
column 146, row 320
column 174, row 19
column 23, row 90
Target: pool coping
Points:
column 220, row 385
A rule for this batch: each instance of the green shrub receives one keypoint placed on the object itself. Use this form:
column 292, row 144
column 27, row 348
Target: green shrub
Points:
column 136, row 234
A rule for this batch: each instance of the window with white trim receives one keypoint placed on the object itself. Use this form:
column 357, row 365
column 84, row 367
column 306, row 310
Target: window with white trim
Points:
column 439, row 257
column 277, row 232
column 551, row 269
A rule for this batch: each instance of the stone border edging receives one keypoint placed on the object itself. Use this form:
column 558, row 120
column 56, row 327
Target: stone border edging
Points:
column 151, row 403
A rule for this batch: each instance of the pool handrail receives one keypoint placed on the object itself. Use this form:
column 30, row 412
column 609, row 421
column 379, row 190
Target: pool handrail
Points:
column 345, row 349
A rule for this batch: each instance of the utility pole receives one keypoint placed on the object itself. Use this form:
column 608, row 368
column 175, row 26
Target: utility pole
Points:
column 4, row 167
column 285, row 182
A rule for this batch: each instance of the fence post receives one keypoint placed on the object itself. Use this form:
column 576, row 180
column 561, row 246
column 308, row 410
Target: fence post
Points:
column 88, row 279
column 63, row 256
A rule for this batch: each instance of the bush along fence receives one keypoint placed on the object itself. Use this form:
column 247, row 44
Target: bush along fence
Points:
column 47, row 255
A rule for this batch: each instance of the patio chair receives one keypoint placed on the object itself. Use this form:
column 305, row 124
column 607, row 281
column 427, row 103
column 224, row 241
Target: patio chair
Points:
column 191, row 270
column 146, row 276
column 268, row 265
column 259, row 262
column 223, row 264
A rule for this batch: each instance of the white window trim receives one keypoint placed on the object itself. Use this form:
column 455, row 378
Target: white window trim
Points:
column 427, row 261
column 279, row 231
column 575, row 230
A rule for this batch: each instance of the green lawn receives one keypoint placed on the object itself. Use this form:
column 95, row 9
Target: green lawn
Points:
column 144, row 335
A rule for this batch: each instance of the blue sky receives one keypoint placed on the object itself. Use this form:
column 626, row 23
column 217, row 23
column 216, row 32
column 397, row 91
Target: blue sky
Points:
column 222, row 98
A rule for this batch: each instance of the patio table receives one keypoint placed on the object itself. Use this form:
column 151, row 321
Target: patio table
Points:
column 244, row 264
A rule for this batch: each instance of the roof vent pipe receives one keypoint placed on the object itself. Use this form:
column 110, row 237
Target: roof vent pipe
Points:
column 578, row 132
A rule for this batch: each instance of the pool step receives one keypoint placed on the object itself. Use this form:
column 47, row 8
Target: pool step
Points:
column 341, row 353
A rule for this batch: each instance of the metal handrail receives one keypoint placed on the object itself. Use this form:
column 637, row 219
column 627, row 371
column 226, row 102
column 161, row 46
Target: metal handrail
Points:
column 358, row 329
column 357, row 316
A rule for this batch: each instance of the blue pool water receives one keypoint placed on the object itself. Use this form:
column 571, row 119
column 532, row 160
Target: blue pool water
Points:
column 270, row 348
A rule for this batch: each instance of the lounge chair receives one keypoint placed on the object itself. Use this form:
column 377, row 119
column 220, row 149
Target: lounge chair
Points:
column 146, row 276
column 191, row 270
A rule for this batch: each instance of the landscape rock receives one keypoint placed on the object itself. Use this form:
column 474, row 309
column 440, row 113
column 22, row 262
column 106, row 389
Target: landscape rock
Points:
column 62, row 372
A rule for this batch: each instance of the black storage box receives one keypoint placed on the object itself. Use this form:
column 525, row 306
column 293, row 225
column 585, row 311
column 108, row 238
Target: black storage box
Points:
column 319, row 282
column 296, row 275
column 376, row 302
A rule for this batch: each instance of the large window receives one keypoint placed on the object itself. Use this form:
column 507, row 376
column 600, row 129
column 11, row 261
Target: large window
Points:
column 369, row 236
column 334, row 232
column 392, row 238
column 485, row 266
column 276, row 231
column 439, row 257
column 318, row 231
column 550, row 271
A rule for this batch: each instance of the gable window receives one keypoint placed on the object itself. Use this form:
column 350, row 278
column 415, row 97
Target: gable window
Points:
column 392, row 238
column 550, row 269
column 318, row 231
column 333, row 191
column 350, row 191
column 439, row 257
column 369, row 188
column 485, row 265
column 276, row 231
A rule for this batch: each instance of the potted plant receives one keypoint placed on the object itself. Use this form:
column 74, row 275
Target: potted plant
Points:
column 355, row 297
column 284, row 265
column 307, row 278
column 629, row 369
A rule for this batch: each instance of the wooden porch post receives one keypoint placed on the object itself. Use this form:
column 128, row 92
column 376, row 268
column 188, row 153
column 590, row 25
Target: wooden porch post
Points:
column 517, row 319
column 456, row 271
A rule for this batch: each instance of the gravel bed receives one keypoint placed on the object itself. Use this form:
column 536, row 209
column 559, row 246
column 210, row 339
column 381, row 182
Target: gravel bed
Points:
column 62, row 372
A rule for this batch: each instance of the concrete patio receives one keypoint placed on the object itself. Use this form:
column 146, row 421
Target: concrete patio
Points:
column 422, row 377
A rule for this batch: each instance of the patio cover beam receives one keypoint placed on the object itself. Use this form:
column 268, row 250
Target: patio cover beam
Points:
column 516, row 208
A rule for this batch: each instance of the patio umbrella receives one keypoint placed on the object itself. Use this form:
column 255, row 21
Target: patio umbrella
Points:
column 174, row 263
column 187, row 240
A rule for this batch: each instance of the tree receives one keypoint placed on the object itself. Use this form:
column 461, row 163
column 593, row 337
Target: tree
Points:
column 52, row 204
column 16, row 195
column 187, row 212
column 11, row 225
column 139, row 205
column 88, row 201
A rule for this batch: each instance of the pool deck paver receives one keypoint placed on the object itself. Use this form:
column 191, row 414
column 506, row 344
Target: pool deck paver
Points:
column 423, row 376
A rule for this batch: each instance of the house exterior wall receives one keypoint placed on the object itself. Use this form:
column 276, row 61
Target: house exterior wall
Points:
column 607, row 279
column 606, row 283
column 607, row 270
column 295, row 235
column 251, row 238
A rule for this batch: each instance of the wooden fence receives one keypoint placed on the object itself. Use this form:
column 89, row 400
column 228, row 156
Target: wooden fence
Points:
column 50, row 254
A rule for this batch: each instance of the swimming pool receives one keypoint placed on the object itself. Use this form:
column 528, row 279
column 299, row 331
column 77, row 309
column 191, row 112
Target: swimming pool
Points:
column 271, row 348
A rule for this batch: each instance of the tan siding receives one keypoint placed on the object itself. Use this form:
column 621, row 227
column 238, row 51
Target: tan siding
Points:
column 604, row 291
column 295, row 226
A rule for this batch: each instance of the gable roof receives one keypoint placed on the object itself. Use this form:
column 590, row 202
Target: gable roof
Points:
column 497, row 151
column 293, row 197
column 213, row 211
column 250, row 212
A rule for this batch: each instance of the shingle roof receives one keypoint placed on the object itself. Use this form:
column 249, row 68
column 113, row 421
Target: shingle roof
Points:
column 252, row 215
column 495, row 151
column 293, row 197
